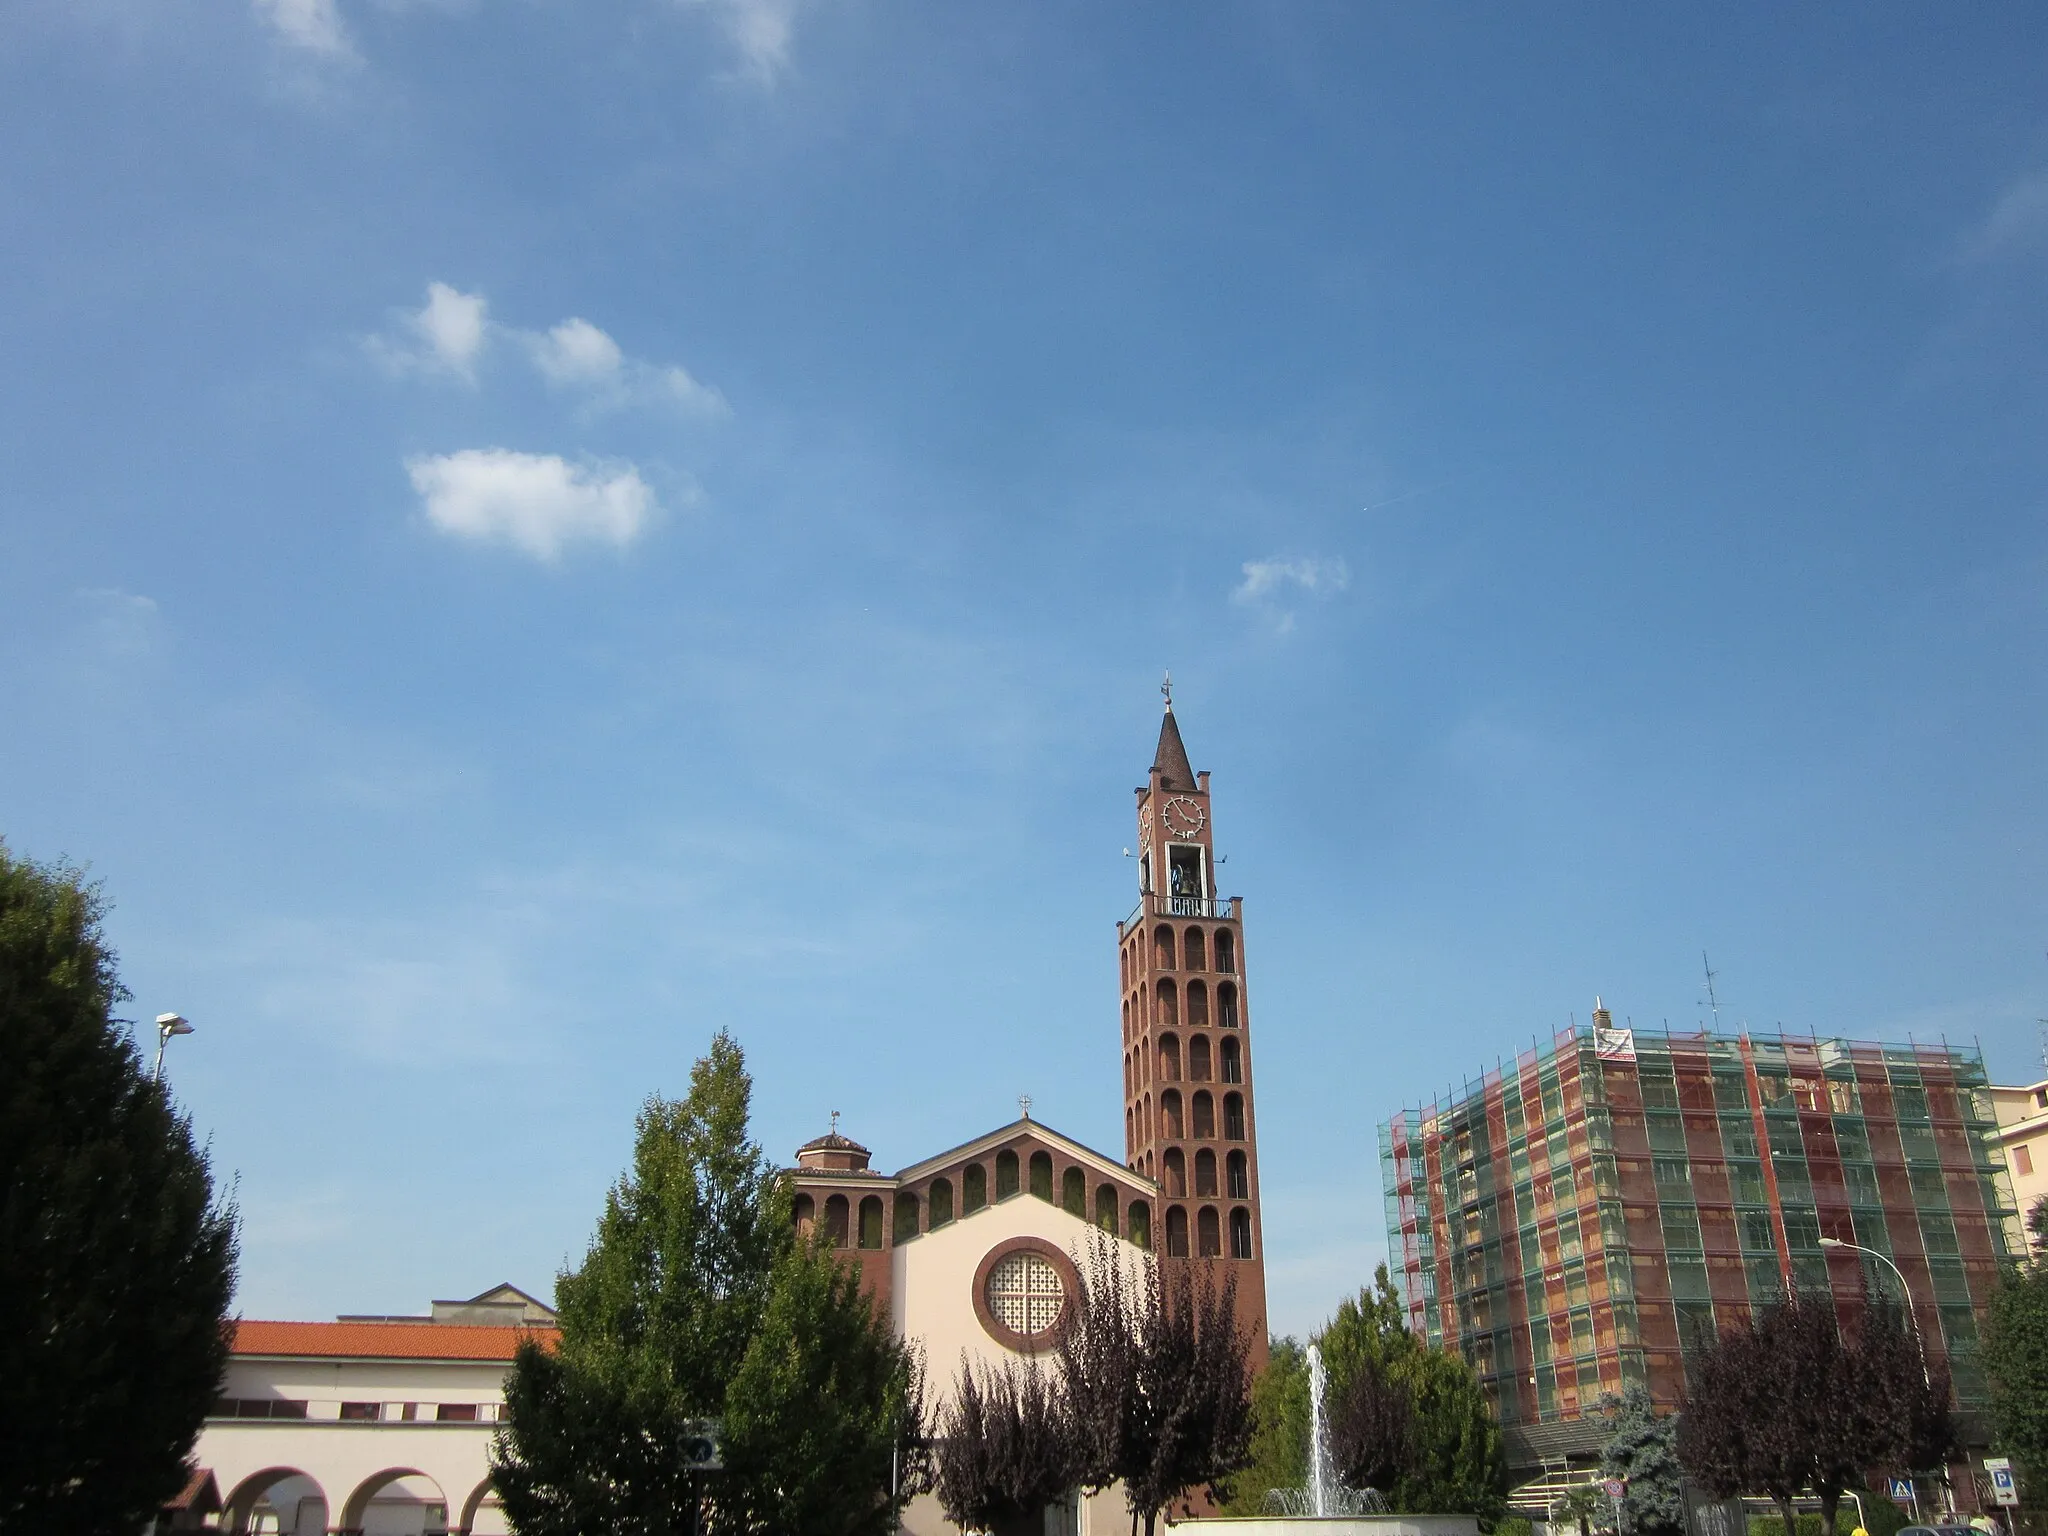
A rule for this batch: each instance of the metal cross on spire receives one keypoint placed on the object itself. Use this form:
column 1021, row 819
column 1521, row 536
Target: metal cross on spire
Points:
column 835, row 1122
column 1167, row 689
column 1024, row 1104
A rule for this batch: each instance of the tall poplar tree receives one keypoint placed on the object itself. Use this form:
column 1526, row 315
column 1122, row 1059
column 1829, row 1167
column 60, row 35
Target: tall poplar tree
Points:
column 117, row 1262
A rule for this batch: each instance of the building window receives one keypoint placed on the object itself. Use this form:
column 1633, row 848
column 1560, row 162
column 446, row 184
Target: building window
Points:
column 1025, row 1294
column 1138, row 1224
column 906, row 1216
column 871, row 1222
column 456, row 1413
column 1006, row 1175
column 806, row 1212
column 1074, row 1193
column 1041, row 1175
column 973, row 1189
column 835, row 1221
column 1105, row 1208
column 941, row 1202
column 2023, row 1160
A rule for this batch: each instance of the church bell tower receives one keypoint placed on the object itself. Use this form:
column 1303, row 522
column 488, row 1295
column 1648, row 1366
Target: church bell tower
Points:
column 1189, row 1124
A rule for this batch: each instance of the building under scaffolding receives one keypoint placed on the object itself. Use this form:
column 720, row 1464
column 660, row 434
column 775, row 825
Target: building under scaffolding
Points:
column 1585, row 1218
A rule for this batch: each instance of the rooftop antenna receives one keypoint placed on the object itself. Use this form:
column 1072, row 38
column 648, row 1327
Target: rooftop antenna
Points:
column 1713, row 1001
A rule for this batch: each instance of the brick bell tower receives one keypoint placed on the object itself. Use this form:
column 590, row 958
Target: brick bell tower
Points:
column 1188, row 1118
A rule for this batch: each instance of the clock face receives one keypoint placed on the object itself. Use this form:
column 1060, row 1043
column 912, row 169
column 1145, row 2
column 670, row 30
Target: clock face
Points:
column 1184, row 817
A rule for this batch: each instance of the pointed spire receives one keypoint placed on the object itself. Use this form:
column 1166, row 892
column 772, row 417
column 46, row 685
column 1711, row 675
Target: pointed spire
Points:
column 1172, row 757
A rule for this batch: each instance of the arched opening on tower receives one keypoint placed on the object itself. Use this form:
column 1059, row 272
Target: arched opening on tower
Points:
column 1233, row 1060
column 1226, row 950
column 805, row 1210
column 1176, row 1232
column 906, row 1216
column 1169, row 1058
column 1209, row 1233
column 1167, row 1013
column 1169, row 1115
column 1237, row 1177
column 1162, row 948
column 1198, row 1058
column 1196, row 950
column 1205, row 1173
column 871, row 1222
column 1233, row 1117
column 1176, row 1170
column 835, row 1221
column 1226, row 1005
column 1204, row 1117
column 1198, row 1005
column 1240, row 1233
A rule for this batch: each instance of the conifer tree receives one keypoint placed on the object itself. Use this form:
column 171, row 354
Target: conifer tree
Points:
column 117, row 1262
column 1642, row 1449
column 695, row 1301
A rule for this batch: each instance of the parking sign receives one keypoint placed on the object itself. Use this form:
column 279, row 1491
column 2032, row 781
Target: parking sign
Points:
column 2003, row 1487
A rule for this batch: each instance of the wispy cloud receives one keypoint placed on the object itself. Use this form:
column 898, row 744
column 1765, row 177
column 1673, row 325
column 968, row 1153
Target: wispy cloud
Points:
column 118, row 626
column 578, row 355
column 536, row 503
column 1271, row 586
column 759, row 30
column 451, row 332
column 444, row 335
column 313, row 25
column 2016, row 225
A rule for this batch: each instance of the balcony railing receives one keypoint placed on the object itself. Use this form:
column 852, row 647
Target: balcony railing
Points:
column 1183, row 906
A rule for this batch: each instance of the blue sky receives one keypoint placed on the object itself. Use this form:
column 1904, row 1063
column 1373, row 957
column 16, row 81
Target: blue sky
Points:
column 532, row 532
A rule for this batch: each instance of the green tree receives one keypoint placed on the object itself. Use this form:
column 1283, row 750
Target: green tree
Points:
column 1007, row 1449
column 117, row 1262
column 1280, row 1422
column 1642, row 1447
column 694, row 1301
column 1457, row 1464
column 2014, row 1352
column 1584, row 1505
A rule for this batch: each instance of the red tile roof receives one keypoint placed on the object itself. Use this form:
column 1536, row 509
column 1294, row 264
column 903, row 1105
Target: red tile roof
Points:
column 386, row 1341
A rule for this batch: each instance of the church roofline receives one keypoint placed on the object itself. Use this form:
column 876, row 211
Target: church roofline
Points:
column 989, row 1140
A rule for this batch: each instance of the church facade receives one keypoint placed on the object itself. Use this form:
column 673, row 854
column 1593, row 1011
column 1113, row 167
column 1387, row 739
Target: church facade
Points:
column 972, row 1250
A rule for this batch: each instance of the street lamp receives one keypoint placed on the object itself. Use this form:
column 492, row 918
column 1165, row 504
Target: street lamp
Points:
column 167, row 1025
column 1912, row 1313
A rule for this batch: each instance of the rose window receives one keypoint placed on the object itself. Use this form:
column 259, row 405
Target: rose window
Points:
column 1025, row 1294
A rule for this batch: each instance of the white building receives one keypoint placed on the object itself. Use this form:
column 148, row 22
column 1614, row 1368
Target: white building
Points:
column 373, row 1425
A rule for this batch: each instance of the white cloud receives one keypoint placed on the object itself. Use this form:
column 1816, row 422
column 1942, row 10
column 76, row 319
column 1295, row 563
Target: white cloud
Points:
column 447, row 334
column 759, row 29
column 314, row 25
column 577, row 352
column 1270, row 578
column 2018, row 221
column 450, row 332
column 537, row 503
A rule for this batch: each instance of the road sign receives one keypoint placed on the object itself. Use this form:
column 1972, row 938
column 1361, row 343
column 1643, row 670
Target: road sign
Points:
column 1615, row 1487
column 1901, row 1490
column 2003, row 1488
column 700, row 1447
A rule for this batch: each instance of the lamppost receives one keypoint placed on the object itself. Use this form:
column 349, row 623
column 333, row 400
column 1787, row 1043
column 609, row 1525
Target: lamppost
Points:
column 167, row 1025
column 1912, row 1313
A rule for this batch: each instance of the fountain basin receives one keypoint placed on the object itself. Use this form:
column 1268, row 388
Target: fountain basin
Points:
column 1330, row 1525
